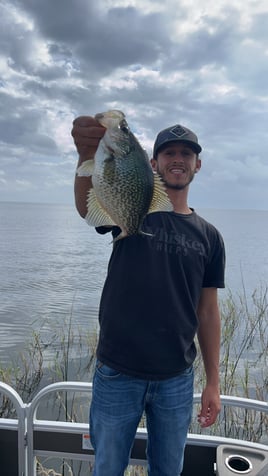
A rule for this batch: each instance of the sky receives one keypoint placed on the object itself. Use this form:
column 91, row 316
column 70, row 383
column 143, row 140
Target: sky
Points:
column 200, row 64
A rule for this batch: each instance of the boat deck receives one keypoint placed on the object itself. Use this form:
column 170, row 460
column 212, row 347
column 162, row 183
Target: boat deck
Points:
column 26, row 438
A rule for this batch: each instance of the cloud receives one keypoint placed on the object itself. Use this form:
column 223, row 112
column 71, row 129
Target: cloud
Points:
column 160, row 62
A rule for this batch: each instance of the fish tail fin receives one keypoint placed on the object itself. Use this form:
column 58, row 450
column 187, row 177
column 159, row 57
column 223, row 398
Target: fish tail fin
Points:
column 124, row 234
column 121, row 236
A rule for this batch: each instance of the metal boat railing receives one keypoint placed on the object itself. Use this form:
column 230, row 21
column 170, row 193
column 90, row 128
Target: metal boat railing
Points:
column 36, row 437
column 18, row 425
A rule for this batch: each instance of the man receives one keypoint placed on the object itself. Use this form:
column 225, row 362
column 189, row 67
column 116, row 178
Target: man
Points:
column 159, row 292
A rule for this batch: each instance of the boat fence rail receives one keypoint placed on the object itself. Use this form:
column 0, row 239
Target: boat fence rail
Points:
column 33, row 437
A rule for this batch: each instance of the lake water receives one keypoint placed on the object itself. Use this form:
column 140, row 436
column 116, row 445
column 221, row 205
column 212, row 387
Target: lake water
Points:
column 52, row 266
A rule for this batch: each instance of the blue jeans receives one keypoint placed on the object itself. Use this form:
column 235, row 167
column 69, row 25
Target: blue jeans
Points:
column 118, row 403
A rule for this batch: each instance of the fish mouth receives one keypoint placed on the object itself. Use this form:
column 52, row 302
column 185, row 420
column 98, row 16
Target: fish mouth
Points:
column 99, row 116
column 113, row 116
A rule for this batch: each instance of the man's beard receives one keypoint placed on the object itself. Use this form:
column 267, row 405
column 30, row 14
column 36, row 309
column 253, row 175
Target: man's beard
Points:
column 178, row 186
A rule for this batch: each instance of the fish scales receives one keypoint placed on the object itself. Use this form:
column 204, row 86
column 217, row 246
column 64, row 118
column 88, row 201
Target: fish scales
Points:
column 125, row 188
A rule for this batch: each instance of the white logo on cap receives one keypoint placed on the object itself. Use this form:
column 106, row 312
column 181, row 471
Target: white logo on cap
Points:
column 178, row 131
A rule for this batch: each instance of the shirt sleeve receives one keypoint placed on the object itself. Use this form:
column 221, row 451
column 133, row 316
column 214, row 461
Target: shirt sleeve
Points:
column 215, row 271
column 102, row 230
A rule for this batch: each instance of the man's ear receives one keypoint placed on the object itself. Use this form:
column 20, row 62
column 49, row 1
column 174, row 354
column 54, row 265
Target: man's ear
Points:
column 198, row 165
column 154, row 164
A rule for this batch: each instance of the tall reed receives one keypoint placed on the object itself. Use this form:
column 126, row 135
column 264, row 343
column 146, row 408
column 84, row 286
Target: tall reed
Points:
column 243, row 365
column 243, row 371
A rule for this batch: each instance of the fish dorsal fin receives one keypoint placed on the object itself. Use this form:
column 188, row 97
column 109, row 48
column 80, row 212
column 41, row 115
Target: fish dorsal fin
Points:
column 86, row 168
column 160, row 201
column 96, row 215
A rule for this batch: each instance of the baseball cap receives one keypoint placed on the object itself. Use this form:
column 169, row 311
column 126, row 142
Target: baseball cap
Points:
column 176, row 133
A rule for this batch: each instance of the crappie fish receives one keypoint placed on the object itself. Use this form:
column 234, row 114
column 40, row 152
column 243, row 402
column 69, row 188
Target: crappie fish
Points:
column 125, row 188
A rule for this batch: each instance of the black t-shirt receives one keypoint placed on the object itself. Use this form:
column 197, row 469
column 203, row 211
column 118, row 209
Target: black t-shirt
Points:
column 148, row 306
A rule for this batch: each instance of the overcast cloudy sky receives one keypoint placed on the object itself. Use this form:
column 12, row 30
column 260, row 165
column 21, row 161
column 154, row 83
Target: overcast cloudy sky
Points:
column 202, row 64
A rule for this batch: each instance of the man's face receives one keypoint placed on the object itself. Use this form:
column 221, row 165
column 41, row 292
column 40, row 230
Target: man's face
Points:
column 177, row 164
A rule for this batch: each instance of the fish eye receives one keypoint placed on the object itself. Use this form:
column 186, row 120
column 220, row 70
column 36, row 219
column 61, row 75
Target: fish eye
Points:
column 124, row 127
